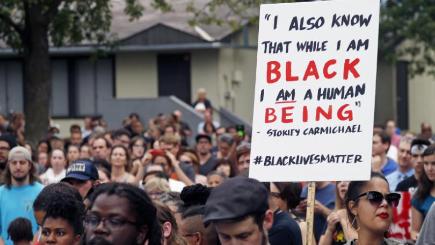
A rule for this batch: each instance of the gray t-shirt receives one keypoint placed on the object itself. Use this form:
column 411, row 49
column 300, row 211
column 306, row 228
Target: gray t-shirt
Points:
column 427, row 232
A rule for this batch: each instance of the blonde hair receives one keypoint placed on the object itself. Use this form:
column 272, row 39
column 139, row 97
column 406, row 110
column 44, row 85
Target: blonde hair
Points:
column 157, row 184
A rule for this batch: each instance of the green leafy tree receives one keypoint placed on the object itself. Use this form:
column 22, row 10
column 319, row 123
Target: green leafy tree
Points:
column 407, row 27
column 32, row 26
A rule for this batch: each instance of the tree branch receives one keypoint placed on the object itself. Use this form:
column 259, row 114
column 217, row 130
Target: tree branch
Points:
column 7, row 19
column 52, row 10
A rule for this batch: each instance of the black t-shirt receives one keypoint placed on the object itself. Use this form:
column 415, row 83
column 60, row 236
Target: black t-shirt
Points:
column 284, row 230
column 410, row 182
column 208, row 166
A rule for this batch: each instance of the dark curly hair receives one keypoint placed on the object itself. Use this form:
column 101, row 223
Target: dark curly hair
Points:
column 70, row 209
column 53, row 192
column 20, row 229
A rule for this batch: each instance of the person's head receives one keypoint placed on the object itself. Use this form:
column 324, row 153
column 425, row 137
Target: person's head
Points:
column 225, row 145
column 43, row 146
column 155, row 187
column 238, row 209
column 85, row 152
column 390, row 127
column 57, row 160
column 418, row 146
column 285, row 195
column 340, row 194
column 170, row 233
column 75, row 134
column 226, row 167
column 190, row 158
column 425, row 131
column 73, row 153
column 63, row 221
column 170, row 143
column 243, row 156
column 20, row 231
column 369, row 205
column 192, row 227
column 100, row 148
column 404, row 153
column 170, row 129
column 7, row 142
column 164, row 161
column 121, row 214
column 82, row 175
column 215, row 178
column 20, row 167
column 201, row 94
column 380, row 144
column 137, row 147
column 56, row 143
column 427, row 178
column 203, row 144
column 119, row 157
column 43, row 159
column 48, row 195
column 121, row 137
column 104, row 170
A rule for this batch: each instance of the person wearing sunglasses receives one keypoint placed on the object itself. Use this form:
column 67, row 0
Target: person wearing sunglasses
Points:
column 369, row 206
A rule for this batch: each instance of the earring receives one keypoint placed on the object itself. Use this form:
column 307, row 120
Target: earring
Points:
column 353, row 223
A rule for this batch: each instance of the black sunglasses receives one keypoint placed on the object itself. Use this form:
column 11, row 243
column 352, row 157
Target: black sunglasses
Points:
column 376, row 198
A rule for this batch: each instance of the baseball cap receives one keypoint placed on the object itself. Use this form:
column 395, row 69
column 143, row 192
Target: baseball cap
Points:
column 418, row 146
column 81, row 170
column 203, row 136
column 236, row 198
column 19, row 150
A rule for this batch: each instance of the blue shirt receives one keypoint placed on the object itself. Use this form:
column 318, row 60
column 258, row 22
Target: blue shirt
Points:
column 325, row 196
column 17, row 202
column 423, row 206
column 389, row 167
column 396, row 177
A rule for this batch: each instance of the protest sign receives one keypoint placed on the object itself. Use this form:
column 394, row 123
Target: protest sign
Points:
column 400, row 229
column 315, row 91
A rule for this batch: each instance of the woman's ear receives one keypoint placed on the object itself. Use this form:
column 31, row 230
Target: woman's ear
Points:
column 167, row 229
column 352, row 205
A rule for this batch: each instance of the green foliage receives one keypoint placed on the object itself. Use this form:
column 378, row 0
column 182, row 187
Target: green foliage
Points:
column 407, row 32
column 68, row 22
column 407, row 28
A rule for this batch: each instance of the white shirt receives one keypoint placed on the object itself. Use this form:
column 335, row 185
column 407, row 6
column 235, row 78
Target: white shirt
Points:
column 50, row 178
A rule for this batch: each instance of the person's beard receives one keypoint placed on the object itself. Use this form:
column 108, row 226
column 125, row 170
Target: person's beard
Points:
column 20, row 179
column 3, row 165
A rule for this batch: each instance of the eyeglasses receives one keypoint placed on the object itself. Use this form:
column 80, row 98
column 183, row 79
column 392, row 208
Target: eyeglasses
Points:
column 275, row 194
column 376, row 198
column 4, row 148
column 114, row 222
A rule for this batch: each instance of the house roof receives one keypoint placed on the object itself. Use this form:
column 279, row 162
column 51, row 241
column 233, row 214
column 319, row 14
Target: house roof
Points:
column 177, row 19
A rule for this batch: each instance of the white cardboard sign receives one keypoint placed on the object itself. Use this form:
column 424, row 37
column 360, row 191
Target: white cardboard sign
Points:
column 315, row 91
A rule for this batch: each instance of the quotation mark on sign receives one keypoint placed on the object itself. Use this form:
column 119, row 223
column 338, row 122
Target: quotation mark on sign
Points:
column 258, row 160
column 358, row 103
column 275, row 20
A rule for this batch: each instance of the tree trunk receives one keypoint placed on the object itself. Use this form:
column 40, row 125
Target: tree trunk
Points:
column 37, row 75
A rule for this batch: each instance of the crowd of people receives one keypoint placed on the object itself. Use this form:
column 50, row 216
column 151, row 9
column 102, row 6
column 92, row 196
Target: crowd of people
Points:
column 147, row 185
